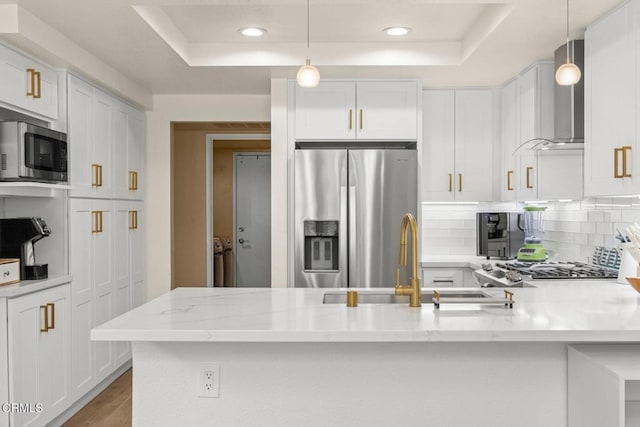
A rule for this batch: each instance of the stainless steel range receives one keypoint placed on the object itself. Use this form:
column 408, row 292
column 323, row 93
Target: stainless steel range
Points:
column 514, row 274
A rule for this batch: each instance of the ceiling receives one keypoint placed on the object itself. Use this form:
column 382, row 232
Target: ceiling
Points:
column 194, row 47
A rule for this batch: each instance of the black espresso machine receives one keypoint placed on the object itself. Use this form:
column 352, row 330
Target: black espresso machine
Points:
column 17, row 236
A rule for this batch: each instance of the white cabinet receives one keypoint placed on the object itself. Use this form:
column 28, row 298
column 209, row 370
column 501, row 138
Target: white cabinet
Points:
column 106, row 141
column 370, row 110
column 39, row 346
column 93, row 289
column 128, row 264
column 457, row 145
column 444, row 277
column 28, row 84
column 612, row 51
column 527, row 114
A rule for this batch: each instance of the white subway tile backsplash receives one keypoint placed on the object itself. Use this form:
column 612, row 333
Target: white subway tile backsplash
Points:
column 588, row 227
column 604, row 228
column 596, row 216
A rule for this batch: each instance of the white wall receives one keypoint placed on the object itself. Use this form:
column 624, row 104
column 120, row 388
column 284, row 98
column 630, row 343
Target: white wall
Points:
column 169, row 108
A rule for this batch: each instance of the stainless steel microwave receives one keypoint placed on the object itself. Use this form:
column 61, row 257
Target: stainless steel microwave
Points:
column 32, row 153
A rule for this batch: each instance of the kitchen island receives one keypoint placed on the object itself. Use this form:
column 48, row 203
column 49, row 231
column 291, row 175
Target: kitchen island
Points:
column 284, row 358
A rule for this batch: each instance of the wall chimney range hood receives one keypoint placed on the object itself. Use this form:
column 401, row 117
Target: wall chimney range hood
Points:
column 568, row 106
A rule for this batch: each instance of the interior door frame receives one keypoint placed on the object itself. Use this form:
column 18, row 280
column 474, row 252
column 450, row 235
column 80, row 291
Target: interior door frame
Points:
column 211, row 138
column 235, row 201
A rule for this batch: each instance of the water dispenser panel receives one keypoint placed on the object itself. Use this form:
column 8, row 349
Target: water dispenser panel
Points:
column 321, row 245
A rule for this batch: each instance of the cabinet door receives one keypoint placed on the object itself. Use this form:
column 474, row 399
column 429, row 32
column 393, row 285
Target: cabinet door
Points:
column 442, row 277
column 137, row 255
column 81, row 224
column 80, row 135
column 102, row 143
column 327, row 111
column 610, row 104
column 387, row 110
column 123, row 227
column 103, row 282
column 39, row 360
column 28, row 84
column 509, row 172
column 473, row 145
column 528, row 112
column 119, row 128
column 136, row 153
column 438, row 145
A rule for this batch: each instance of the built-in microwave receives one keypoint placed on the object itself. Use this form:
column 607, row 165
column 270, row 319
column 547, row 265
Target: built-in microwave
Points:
column 32, row 153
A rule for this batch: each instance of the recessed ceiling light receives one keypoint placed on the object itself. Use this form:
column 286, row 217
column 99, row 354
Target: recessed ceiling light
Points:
column 396, row 31
column 252, row 31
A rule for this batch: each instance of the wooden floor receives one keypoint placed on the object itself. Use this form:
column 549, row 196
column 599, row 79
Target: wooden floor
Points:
column 112, row 407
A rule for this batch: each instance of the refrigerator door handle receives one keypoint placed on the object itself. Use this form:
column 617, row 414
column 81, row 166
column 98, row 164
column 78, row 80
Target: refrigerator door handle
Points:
column 342, row 236
column 353, row 238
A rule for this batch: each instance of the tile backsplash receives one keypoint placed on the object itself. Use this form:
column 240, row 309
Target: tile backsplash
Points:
column 573, row 229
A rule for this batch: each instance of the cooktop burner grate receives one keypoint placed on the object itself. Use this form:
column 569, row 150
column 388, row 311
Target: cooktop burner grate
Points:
column 557, row 270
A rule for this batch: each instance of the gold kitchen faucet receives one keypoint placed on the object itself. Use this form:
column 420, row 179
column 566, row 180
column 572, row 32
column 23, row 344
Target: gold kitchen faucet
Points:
column 413, row 289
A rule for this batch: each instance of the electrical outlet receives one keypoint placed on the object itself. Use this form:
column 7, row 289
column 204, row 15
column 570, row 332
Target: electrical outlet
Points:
column 209, row 381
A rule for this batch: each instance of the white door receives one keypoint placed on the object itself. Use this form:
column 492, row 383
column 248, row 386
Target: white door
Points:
column 252, row 213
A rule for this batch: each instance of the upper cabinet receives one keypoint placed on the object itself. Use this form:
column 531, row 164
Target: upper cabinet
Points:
column 612, row 51
column 369, row 110
column 527, row 114
column 106, row 141
column 27, row 84
column 457, row 145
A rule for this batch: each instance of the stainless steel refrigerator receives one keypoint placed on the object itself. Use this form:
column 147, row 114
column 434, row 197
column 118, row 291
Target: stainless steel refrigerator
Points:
column 349, row 205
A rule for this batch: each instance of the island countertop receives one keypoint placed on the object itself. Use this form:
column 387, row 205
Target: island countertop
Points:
column 575, row 311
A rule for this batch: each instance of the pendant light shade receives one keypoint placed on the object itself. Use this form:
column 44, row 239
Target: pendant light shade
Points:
column 568, row 73
column 308, row 75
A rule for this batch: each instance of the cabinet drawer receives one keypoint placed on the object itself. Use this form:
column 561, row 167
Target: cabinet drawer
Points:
column 9, row 271
column 442, row 277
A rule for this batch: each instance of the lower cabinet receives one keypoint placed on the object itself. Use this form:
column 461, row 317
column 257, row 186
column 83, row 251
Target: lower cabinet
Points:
column 107, row 264
column 441, row 277
column 39, row 355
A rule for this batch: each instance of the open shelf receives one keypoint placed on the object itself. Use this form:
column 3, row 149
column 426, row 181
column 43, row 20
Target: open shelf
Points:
column 30, row 189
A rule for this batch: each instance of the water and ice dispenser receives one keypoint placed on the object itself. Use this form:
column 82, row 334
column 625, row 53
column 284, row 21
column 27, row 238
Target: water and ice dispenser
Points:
column 321, row 245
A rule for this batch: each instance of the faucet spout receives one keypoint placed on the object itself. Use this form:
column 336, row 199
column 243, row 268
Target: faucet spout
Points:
column 413, row 289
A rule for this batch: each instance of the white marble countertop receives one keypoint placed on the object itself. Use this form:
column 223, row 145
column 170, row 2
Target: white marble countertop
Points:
column 571, row 311
column 28, row 286
column 453, row 261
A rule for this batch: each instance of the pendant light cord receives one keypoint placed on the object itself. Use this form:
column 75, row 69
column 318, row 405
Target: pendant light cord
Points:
column 308, row 24
column 568, row 56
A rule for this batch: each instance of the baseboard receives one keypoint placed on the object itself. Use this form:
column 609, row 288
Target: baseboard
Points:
column 89, row 396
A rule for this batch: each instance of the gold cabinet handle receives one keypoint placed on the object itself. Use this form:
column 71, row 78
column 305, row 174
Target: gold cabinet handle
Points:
column 32, row 85
column 100, row 175
column 131, row 180
column 450, row 182
column 460, row 183
column 39, row 92
column 97, row 222
column 624, row 161
column 616, row 166
column 509, row 187
column 361, row 120
column 135, row 220
column 135, row 180
column 96, row 173
column 350, row 118
column 52, row 324
column 46, row 317
column 529, row 169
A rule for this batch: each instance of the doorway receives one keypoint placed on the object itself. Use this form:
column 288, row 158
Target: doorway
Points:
column 252, row 219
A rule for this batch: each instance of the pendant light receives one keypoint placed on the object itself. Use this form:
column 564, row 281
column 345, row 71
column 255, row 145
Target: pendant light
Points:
column 308, row 75
column 568, row 73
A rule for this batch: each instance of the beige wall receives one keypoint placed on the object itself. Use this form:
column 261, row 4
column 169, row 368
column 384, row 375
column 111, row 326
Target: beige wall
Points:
column 223, row 181
column 168, row 108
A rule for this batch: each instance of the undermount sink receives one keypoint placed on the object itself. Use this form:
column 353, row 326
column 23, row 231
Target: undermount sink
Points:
column 388, row 297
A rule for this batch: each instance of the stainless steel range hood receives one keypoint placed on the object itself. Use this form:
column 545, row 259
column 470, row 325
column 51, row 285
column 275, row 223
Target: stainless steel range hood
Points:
column 568, row 104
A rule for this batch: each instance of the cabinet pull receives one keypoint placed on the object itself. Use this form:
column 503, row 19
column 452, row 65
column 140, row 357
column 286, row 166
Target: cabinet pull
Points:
column 39, row 92
column 460, row 183
column 529, row 169
column 135, row 180
column 135, row 220
column 131, row 180
column 97, row 222
column 361, row 120
column 450, row 182
column 46, row 318
column 35, row 83
column 624, row 161
column 100, row 175
column 96, row 172
column 616, row 165
column 350, row 118
column 52, row 324
column 509, row 187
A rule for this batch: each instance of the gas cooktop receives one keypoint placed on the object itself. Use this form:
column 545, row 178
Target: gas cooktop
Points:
column 551, row 270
